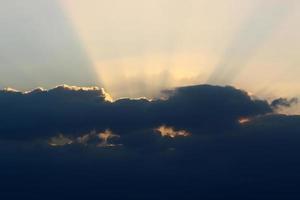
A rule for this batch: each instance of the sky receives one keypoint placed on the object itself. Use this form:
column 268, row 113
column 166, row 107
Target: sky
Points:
column 129, row 99
column 137, row 47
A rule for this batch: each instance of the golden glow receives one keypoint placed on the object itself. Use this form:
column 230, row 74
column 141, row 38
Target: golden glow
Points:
column 10, row 90
column 138, row 47
column 146, row 75
column 166, row 131
column 105, row 137
column 107, row 96
column 39, row 89
column 76, row 88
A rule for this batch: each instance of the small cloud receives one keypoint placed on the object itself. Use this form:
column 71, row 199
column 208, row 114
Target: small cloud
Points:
column 85, row 139
column 284, row 105
column 166, row 131
column 284, row 102
column 102, row 139
column 60, row 140
column 106, row 138
column 244, row 120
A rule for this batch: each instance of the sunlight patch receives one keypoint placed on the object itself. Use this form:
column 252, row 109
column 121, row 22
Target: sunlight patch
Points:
column 167, row 131
column 106, row 137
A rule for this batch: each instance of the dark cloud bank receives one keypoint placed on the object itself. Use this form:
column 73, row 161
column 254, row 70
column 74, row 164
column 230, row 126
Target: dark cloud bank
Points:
column 201, row 142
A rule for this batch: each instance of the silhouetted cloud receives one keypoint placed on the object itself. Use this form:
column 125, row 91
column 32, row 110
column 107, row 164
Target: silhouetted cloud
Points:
column 283, row 102
column 73, row 110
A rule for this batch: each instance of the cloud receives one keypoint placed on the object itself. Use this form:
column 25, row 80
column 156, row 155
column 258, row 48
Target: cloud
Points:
column 73, row 110
column 200, row 142
column 102, row 139
column 250, row 157
column 165, row 131
column 60, row 140
column 283, row 102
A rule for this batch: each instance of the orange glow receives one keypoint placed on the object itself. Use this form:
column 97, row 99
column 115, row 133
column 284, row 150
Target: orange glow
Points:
column 244, row 120
column 166, row 131
column 105, row 137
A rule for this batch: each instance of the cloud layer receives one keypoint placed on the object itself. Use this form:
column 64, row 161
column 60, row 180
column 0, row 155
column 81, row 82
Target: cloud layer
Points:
column 197, row 142
column 73, row 110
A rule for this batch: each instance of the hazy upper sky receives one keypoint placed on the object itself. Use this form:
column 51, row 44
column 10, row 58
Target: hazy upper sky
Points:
column 136, row 47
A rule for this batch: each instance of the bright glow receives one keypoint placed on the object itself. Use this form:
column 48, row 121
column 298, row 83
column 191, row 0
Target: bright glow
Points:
column 76, row 88
column 138, row 47
column 146, row 75
column 107, row 96
column 10, row 90
column 38, row 89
